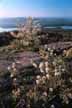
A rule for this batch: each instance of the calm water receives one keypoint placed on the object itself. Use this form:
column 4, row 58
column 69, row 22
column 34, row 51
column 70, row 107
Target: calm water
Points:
column 10, row 24
column 67, row 27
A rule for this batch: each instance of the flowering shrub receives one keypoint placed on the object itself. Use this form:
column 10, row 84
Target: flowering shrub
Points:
column 54, row 76
column 28, row 34
column 52, row 85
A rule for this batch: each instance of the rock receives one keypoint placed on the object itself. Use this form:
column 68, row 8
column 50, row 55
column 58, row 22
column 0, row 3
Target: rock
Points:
column 5, row 38
column 23, row 65
column 60, row 45
column 22, row 60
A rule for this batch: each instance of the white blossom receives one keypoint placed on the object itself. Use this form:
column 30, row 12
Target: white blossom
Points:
column 46, row 64
column 14, row 79
column 54, row 63
column 11, row 75
column 9, row 68
column 18, row 62
column 35, row 65
column 47, row 70
column 48, row 76
column 45, row 46
column 67, row 102
column 13, row 65
column 57, row 73
column 49, row 49
column 70, row 95
column 37, row 81
column 38, row 77
column 52, row 106
column 41, row 70
column 51, row 89
column 55, row 70
column 63, row 69
column 45, row 94
column 51, row 53
column 41, row 66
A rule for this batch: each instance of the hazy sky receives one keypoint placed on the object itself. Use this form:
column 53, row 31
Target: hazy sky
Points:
column 36, row 8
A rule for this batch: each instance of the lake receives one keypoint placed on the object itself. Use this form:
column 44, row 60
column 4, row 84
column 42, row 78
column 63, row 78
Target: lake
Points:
column 10, row 24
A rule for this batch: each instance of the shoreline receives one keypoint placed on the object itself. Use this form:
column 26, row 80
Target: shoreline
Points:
column 50, row 28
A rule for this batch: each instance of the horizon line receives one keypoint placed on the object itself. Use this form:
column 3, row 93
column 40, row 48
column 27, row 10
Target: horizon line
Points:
column 34, row 17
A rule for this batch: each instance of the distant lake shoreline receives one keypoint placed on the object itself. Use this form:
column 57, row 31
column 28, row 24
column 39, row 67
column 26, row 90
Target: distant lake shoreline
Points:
column 6, row 29
column 60, row 27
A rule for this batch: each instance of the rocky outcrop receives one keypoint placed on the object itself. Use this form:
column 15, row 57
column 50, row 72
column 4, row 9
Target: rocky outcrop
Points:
column 23, row 65
column 22, row 60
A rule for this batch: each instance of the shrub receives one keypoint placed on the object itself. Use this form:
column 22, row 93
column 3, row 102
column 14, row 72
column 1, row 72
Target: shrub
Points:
column 28, row 34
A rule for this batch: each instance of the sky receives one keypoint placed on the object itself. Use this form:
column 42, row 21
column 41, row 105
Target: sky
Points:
column 35, row 8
